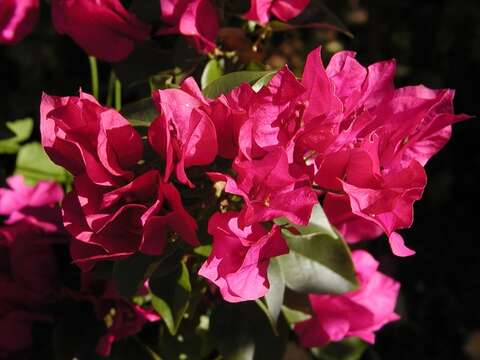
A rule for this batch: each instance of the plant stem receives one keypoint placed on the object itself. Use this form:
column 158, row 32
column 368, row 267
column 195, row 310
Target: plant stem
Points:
column 118, row 94
column 94, row 74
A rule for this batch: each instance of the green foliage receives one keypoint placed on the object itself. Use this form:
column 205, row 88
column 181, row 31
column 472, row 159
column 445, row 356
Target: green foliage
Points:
column 228, row 82
column 203, row 250
column 34, row 164
column 319, row 260
column 347, row 349
column 212, row 71
column 140, row 113
column 171, row 295
column 20, row 130
column 274, row 296
column 241, row 332
column 264, row 80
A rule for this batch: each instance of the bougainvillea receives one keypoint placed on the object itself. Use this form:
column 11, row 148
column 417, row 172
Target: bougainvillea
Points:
column 240, row 183
column 17, row 18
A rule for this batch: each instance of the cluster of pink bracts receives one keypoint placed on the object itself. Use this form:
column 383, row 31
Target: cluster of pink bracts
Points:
column 29, row 274
column 342, row 137
column 107, row 30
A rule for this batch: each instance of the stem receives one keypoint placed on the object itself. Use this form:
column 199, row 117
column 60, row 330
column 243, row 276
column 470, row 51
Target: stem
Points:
column 118, row 94
column 94, row 74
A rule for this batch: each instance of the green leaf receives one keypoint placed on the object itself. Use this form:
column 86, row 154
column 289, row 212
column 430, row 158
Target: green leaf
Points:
column 213, row 70
column 171, row 296
column 203, row 250
column 140, row 113
column 318, row 223
column 264, row 80
column 21, row 130
column 294, row 316
column 241, row 332
column 128, row 274
column 317, row 263
column 34, row 164
column 347, row 349
column 274, row 296
column 230, row 81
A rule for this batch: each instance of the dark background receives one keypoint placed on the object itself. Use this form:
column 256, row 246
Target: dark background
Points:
column 436, row 43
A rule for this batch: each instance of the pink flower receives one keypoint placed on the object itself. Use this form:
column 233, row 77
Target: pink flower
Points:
column 274, row 116
column 16, row 329
column 354, row 228
column 28, row 276
column 358, row 313
column 261, row 10
column 86, row 138
column 103, row 28
column 269, row 190
column 239, row 260
column 195, row 19
column 17, row 18
column 183, row 134
column 229, row 112
column 122, row 318
column 114, row 223
column 37, row 205
column 370, row 141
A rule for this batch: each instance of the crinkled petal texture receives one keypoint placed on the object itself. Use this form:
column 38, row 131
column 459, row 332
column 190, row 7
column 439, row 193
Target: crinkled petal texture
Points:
column 359, row 313
column 269, row 191
column 17, row 18
column 103, row 28
column 261, row 10
column 114, row 223
column 195, row 19
column 239, row 260
column 367, row 143
column 87, row 138
column 37, row 205
column 184, row 134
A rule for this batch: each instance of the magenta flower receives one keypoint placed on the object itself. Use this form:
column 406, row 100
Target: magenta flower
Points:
column 261, row 10
column 269, row 191
column 17, row 18
column 197, row 20
column 28, row 268
column 358, row 313
column 86, row 138
column 239, row 260
column 37, row 205
column 114, row 223
column 184, row 134
column 103, row 28
column 370, row 141
column 121, row 317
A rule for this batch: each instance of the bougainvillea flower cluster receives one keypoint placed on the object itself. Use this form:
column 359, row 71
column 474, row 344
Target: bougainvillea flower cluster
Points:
column 28, row 267
column 109, row 31
column 341, row 136
column 359, row 313
column 207, row 197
